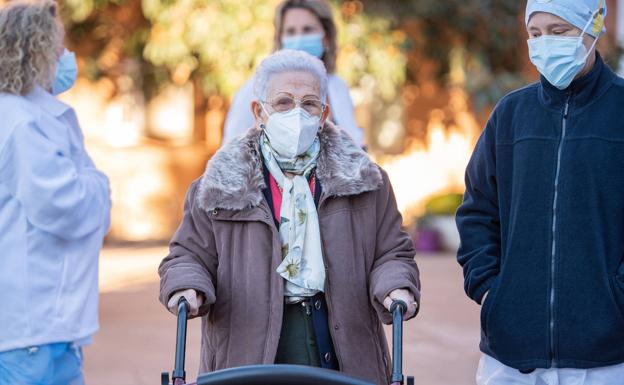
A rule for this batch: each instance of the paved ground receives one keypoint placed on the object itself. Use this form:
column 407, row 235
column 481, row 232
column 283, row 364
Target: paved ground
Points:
column 137, row 336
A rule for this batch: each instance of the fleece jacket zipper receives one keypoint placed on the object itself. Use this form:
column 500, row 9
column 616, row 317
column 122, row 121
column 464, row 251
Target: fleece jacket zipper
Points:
column 553, row 361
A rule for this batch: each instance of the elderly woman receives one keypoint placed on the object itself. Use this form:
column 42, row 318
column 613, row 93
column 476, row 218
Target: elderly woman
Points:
column 291, row 245
column 54, row 206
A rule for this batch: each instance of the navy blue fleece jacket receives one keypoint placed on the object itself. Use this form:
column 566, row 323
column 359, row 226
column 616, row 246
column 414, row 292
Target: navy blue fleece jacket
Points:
column 542, row 225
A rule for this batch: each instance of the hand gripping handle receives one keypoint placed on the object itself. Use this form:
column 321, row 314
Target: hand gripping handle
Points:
column 179, row 375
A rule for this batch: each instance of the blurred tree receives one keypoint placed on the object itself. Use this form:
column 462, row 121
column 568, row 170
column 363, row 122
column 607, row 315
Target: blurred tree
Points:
column 221, row 41
column 478, row 44
column 217, row 41
column 216, row 44
column 109, row 37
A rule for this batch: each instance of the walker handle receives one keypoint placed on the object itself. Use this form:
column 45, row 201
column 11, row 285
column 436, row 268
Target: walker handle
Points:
column 398, row 308
column 179, row 375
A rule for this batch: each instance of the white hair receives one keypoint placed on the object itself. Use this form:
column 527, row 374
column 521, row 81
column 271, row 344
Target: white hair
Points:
column 288, row 60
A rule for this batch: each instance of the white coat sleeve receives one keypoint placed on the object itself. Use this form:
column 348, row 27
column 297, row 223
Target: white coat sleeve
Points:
column 57, row 197
column 239, row 117
column 343, row 112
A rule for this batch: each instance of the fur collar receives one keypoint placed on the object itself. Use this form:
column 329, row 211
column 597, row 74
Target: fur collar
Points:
column 233, row 179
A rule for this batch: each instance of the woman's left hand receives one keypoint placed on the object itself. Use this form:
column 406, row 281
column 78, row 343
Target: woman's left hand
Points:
column 405, row 296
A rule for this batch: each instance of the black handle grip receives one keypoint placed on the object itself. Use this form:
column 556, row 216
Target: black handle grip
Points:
column 398, row 308
column 178, row 369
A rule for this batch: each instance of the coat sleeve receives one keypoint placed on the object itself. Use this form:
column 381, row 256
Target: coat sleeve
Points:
column 192, row 261
column 58, row 196
column 478, row 219
column 394, row 266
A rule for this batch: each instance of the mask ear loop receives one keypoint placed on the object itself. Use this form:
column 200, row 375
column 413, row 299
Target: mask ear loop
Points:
column 322, row 124
column 261, row 103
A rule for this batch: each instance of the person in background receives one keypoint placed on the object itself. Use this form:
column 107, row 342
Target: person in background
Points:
column 54, row 206
column 542, row 221
column 306, row 25
column 291, row 246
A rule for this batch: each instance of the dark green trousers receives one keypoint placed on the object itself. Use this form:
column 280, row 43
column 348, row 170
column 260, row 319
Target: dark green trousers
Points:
column 297, row 345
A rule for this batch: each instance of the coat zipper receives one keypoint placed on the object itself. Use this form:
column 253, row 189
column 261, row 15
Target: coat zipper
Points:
column 553, row 362
column 330, row 322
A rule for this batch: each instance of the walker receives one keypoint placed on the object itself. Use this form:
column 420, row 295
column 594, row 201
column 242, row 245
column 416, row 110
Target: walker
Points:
column 282, row 374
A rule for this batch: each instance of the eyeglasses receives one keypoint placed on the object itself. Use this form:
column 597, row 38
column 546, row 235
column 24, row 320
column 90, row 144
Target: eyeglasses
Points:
column 287, row 102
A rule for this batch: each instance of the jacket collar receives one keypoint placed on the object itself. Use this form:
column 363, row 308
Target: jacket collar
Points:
column 234, row 178
column 582, row 91
column 47, row 102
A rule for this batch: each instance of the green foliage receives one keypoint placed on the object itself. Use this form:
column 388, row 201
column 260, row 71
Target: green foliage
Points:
column 104, row 33
column 80, row 10
column 445, row 204
column 489, row 33
column 491, row 29
column 220, row 42
column 383, row 44
column 372, row 50
column 224, row 41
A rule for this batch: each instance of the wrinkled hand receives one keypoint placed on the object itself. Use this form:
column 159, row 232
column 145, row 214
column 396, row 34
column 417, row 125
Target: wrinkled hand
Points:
column 194, row 300
column 405, row 296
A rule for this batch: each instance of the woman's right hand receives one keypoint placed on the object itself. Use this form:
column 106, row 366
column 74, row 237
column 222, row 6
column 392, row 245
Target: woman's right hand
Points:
column 194, row 300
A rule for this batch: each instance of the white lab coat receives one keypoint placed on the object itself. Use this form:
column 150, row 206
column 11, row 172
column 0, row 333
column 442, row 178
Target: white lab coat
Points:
column 54, row 213
column 493, row 372
column 240, row 117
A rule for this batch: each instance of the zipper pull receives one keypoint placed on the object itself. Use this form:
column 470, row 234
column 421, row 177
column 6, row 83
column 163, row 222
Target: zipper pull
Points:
column 567, row 105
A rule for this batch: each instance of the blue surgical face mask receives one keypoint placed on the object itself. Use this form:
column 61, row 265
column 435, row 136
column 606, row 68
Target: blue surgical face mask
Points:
column 66, row 73
column 310, row 43
column 560, row 58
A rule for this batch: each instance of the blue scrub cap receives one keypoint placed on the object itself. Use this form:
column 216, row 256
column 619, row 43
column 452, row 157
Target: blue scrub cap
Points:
column 575, row 12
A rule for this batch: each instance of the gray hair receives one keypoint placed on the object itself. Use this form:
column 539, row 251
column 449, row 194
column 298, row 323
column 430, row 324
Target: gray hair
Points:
column 288, row 60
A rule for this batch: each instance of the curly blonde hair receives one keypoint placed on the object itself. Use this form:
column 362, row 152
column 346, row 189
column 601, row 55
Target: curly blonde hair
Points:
column 30, row 35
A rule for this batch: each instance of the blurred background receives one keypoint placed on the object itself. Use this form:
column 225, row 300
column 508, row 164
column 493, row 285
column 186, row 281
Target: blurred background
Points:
column 158, row 76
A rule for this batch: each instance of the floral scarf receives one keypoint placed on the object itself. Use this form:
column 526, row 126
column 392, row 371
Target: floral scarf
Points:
column 302, row 257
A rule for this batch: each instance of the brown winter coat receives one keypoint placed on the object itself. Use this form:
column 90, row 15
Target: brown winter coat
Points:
column 228, row 248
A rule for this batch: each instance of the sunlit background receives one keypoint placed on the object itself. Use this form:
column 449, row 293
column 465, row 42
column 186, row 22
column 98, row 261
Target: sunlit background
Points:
column 157, row 78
